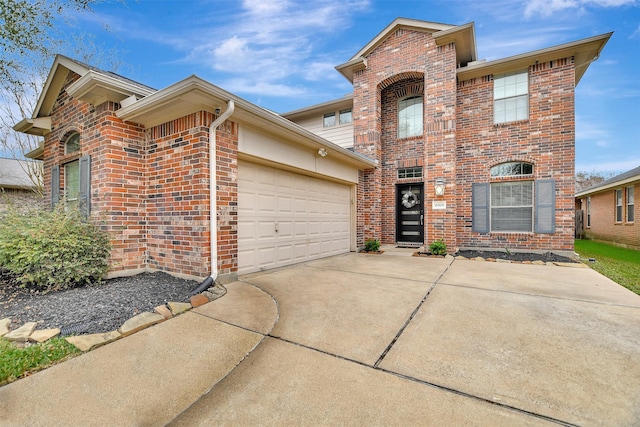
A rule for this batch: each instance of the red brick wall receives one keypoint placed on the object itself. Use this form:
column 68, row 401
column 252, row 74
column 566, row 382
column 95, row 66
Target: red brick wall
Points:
column 178, row 200
column 603, row 218
column 546, row 139
column 460, row 141
column 118, row 183
column 150, row 188
column 406, row 59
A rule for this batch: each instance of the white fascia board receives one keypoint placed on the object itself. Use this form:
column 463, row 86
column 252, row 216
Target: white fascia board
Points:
column 607, row 187
column 257, row 117
column 94, row 81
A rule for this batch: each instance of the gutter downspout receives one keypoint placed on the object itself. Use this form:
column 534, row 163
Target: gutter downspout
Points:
column 213, row 211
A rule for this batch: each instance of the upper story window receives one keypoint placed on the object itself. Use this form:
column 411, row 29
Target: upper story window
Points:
column 343, row 117
column 512, row 169
column 630, row 204
column 346, row 116
column 72, row 144
column 410, row 117
column 329, row 120
column 510, row 97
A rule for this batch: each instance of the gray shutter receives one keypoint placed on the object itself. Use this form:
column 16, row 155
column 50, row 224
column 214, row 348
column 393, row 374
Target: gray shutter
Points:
column 55, row 185
column 545, row 206
column 85, row 186
column 480, row 208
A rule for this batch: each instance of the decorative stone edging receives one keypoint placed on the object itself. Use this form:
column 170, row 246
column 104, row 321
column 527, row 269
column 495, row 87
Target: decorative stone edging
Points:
column 28, row 333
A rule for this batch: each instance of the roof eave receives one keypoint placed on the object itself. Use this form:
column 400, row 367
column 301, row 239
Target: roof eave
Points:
column 39, row 126
column 95, row 88
column 464, row 37
column 195, row 94
column 358, row 61
column 584, row 51
column 607, row 187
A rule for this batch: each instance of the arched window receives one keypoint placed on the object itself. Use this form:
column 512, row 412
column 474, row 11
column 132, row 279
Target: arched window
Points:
column 75, row 182
column 512, row 169
column 72, row 144
column 410, row 117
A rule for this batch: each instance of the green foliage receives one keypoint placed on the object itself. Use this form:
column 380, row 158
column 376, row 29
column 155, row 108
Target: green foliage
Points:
column 372, row 245
column 618, row 264
column 16, row 362
column 53, row 250
column 438, row 247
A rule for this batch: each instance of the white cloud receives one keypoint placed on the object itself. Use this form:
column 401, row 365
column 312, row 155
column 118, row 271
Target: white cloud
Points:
column 262, row 87
column 547, row 8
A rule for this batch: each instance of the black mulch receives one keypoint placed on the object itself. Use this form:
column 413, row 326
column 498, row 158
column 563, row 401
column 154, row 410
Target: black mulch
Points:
column 516, row 256
column 91, row 309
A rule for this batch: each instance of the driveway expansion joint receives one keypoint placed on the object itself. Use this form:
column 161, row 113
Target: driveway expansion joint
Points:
column 411, row 317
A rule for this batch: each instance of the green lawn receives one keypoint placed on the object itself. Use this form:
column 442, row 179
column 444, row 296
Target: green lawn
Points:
column 619, row 264
column 17, row 362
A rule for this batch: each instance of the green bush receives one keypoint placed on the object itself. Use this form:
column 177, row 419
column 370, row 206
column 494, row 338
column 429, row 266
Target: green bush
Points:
column 372, row 245
column 438, row 247
column 53, row 250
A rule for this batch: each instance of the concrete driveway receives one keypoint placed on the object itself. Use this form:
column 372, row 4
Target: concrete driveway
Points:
column 398, row 340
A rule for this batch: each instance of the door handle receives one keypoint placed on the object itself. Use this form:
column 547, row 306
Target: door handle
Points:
column 422, row 219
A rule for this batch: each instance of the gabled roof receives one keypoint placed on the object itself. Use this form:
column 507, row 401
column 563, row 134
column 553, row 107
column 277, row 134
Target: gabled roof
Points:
column 195, row 94
column 624, row 178
column 94, row 86
column 463, row 36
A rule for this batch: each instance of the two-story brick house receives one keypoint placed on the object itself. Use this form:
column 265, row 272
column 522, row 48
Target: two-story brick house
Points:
column 432, row 144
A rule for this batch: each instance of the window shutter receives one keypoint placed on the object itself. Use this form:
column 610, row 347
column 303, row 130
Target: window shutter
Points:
column 85, row 185
column 480, row 208
column 55, row 185
column 545, row 206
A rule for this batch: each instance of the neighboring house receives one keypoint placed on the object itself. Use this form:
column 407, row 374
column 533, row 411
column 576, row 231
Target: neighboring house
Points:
column 17, row 188
column 432, row 144
column 609, row 212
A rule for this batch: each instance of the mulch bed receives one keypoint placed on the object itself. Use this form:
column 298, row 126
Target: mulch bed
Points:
column 516, row 256
column 103, row 307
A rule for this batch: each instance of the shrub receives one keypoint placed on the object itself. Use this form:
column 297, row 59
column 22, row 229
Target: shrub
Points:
column 53, row 250
column 372, row 245
column 438, row 247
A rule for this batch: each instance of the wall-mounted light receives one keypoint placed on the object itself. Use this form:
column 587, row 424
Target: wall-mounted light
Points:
column 322, row 152
column 439, row 186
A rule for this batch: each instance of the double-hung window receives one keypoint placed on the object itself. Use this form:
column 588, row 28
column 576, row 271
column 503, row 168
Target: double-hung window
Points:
column 510, row 97
column 410, row 117
column 513, row 202
column 630, row 204
column 512, row 206
column 77, row 177
column 618, row 199
column 589, row 211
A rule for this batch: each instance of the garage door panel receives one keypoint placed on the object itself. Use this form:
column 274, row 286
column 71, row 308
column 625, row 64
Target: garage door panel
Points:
column 312, row 217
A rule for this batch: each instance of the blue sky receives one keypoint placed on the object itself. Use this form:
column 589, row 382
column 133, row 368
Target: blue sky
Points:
column 281, row 54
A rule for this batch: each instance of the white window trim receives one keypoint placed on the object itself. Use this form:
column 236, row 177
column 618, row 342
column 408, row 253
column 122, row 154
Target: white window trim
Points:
column 632, row 204
column 618, row 198
column 518, row 95
column 421, row 129
column 532, row 206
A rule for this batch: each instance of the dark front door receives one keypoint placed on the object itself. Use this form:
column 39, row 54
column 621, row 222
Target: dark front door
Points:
column 410, row 214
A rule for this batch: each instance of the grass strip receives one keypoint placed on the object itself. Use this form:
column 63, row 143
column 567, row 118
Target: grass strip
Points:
column 17, row 361
column 619, row 264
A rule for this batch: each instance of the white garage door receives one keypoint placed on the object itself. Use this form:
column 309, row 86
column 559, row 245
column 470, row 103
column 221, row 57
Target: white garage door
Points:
column 284, row 218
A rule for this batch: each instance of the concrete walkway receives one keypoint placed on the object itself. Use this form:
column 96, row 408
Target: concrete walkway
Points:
column 365, row 340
